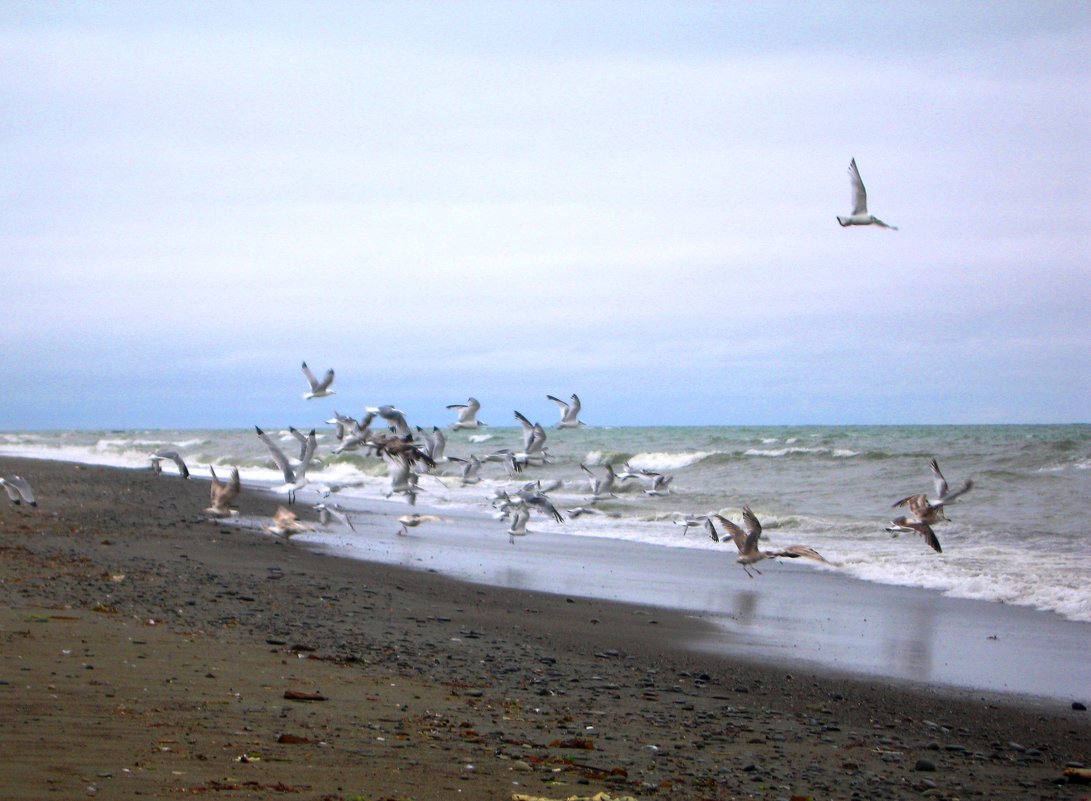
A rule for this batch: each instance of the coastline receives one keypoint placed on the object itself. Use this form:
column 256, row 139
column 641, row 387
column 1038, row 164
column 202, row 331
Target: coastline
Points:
column 110, row 550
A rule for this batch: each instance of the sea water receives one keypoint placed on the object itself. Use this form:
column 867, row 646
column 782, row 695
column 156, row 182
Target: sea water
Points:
column 1018, row 537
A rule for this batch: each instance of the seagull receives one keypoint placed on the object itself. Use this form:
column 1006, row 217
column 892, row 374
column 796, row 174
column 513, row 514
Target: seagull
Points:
column 534, row 438
column 924, row 512
column 860, row 214
column 332, row 511
column 18, row 490
column 628, row 472
column 520, row 514
column 470, row 466
column 318, row 389
column 660, row 486
column 589, row 510
column 747, row 542
column 927, row 510
column 223, row 494
column 900, row 524
column 403, row 481
column 688, row 522
column 435, row 443
column 352, row 434
column 294, row 478
column 570, row 411
column 285, row 522
column 414, row 520
column 164, row 453
column 396, row 418
column 601, row 487
column 467, row 414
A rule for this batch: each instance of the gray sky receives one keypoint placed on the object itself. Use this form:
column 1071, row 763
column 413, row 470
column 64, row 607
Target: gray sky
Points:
column 634, row 201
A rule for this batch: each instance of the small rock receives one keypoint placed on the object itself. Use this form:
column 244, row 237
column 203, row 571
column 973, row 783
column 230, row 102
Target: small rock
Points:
column 925, row 765
column 1079, row 707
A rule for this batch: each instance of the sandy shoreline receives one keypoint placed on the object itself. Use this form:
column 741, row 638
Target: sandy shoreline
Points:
column 434, row 688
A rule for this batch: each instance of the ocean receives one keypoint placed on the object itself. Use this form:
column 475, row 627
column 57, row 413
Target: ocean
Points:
column 1017, row 538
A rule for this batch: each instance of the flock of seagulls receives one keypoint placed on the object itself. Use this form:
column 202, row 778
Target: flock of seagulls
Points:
column 410, row 454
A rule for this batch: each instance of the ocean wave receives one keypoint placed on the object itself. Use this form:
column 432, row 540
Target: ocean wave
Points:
column 777, row 453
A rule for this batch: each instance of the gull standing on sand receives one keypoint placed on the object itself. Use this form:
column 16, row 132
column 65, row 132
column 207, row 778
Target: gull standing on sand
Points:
column 860, row 215
column 295, row 479
column 467, row 414
column 570, row 412
column 747, row 542
column 924, row 512
column 174, row 456
column 319, row 389
column 223, row 494
column 18, row 490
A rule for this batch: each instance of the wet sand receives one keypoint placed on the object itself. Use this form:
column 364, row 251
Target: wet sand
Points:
column 148, row 651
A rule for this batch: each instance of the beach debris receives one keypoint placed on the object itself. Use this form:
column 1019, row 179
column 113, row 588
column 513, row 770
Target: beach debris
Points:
column 319, row 389
column 18, row 490
column 223, row 493
column 301, row 695
column 166, row 454
column 747, row 542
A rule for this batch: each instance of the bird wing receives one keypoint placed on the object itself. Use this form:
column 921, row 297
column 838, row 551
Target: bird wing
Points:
column 566, row 410
column 794, row 551
column 22, row 486
column 859, row 194
column 710, row 529
column 938, row 479
column 738, row 536
column 950, row 496
column 278, row 456
column 752, row 526
column 310, row 377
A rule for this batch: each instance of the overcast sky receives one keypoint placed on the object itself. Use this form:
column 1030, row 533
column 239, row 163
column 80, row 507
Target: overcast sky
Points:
column 634, row 201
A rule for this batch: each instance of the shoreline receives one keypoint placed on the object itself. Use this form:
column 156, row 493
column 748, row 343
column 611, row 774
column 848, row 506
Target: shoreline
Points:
column 109, row 550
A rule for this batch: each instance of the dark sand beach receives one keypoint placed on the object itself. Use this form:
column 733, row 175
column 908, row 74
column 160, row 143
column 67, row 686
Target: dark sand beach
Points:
column 149, row 652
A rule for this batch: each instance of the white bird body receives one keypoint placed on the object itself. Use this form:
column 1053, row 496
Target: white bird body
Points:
column 601, row 487
column 295, row 478
column 860, row 215
column 319, row 389
column 467, row 414
column 570, row 411
column 414, row 520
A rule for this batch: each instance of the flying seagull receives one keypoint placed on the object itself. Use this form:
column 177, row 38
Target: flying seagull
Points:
column 924, row 512
column 860, row 215
column 467, row 414
column 222, row 494
column 570, row 412
column 18, row 490
column 319, row 389
column 164, row 453
column 295, row 479
column 747, row 542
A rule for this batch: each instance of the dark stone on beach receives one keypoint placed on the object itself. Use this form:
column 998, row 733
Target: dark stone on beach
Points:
column 1079, row 707
column 925, row 765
